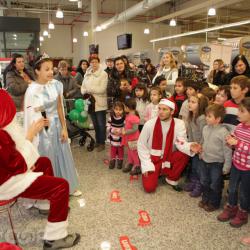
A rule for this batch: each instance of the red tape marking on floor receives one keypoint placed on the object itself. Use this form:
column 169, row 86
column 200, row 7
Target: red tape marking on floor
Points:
column 125, row 243
column 115, row 196
column 144, row 219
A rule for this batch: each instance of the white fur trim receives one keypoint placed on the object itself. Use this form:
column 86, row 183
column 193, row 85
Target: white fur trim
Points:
column 155, row 152
column 173, row 183
column 17, row 184
column 25, row 147
column 166, row 164
column 56, row 230
column 168, row 103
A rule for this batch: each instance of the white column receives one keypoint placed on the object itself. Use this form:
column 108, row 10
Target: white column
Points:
column 93, row 19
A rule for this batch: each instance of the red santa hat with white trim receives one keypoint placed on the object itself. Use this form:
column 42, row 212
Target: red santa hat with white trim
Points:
column 168, row 103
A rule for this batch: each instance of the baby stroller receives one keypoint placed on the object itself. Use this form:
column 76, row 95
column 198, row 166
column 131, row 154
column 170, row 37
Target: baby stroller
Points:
column 77, row 122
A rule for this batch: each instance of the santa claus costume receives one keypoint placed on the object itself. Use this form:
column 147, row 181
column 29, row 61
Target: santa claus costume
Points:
column 23, row 173
column 163, row 150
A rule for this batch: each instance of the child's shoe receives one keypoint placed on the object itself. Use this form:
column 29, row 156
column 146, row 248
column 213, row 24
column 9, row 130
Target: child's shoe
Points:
column 189, row 187
column 127, row 168
column 136, row 170
column 240, row 219
column 197, row 191
column 202, row 204
column 112, row 164
column 119, row 164
column 210, row 208
column 228, row 213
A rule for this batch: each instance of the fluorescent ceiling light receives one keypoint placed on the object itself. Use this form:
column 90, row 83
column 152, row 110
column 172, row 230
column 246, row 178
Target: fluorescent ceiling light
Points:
column 51, row 26
column 221, row 39
column 172, row 22
column 98, row 28
column 45, row 33
column 229, row 25
column 85, row 33
column 59, row 14
column 146, row 31
column 211, row 12
column 74, row 40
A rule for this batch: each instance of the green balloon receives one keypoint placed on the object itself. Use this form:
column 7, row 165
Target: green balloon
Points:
column 79, row 105
column 74, row 115
column 82, row 118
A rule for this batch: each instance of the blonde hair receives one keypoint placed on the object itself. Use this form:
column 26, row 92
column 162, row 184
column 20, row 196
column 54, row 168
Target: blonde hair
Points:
column 172, row 61
column 63, row 64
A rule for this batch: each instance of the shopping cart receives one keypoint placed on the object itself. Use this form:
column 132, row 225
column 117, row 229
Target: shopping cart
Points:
column 78, row 128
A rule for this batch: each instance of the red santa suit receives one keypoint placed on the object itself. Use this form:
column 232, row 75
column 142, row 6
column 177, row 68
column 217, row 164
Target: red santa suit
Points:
column 17, row 179
column 163, row 150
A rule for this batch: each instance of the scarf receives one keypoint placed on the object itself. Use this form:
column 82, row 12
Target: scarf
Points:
column 157, row 144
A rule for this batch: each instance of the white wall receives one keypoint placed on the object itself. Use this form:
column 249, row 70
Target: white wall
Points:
column 60, row 43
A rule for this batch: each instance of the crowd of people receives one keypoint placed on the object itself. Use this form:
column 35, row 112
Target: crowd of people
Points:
column 166, row 122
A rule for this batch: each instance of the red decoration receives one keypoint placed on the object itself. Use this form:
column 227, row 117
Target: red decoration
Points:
column 134, row 178
column 144, row 219
column 125, row 243
column 115, row 196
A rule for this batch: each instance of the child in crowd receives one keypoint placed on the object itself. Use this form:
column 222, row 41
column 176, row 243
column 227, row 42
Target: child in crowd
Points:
column 239, row 88
column 45, row 95
column 209, row 93
column 141, row 97
column 179, row 95
column 161, row 82
column 152, row 108
column 223, row 95
column 216, row 158
column 240, row 171
column 114, row 128
column 126, row 90
column 130, row 136
column 192, row 88
column 196, row 121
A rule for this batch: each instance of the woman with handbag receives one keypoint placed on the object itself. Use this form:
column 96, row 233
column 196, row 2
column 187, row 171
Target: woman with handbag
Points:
column 95, row 83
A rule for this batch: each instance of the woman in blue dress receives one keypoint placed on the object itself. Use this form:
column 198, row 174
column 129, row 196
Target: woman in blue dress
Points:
column 44, row 97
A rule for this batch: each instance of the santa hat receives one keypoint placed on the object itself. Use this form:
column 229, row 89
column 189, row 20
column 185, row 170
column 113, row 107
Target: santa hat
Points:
column 7, row 109
column 168, row 103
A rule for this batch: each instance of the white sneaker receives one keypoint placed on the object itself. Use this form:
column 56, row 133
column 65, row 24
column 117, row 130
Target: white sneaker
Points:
column 77, row 193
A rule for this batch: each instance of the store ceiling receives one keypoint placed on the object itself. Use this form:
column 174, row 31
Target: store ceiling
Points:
column 190, row 14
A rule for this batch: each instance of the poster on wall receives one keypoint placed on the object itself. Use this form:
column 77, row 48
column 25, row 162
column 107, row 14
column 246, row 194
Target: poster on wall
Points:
column 220, row 51
column 245, row 47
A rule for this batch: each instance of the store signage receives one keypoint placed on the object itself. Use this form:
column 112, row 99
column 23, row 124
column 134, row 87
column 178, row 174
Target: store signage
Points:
column 246, row 45
column 206, row 49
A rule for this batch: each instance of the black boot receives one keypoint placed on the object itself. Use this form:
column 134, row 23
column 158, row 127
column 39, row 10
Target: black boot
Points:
column 127, row 168
column 119, row 164
column 136, row 170
column 112, row 164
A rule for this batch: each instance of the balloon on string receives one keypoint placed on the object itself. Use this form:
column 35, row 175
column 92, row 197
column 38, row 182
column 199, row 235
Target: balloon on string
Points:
column 82, row 118
column 79, row 105
column 74, row 115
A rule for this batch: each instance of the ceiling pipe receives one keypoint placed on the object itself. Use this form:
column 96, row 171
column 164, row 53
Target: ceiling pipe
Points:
column 132, row 12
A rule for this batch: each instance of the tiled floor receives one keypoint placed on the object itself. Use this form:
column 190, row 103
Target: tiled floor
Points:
column 176, row 221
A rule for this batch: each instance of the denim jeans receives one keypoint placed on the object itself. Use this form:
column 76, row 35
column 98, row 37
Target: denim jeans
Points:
column 211, row 181
column 195, row 167
column 242, row 179
column 99, row 122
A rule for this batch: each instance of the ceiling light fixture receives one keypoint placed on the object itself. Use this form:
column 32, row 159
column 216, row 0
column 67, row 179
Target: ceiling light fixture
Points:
column 172, row 22
column 146, row 31
column 51, row 26
column 229, row 25
column 41, row 38
column 74, row 40
column 45, row 33
column 85, row 33
column 59, row 13
column 79, row 4
column 98, row 28
column 211, row 12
